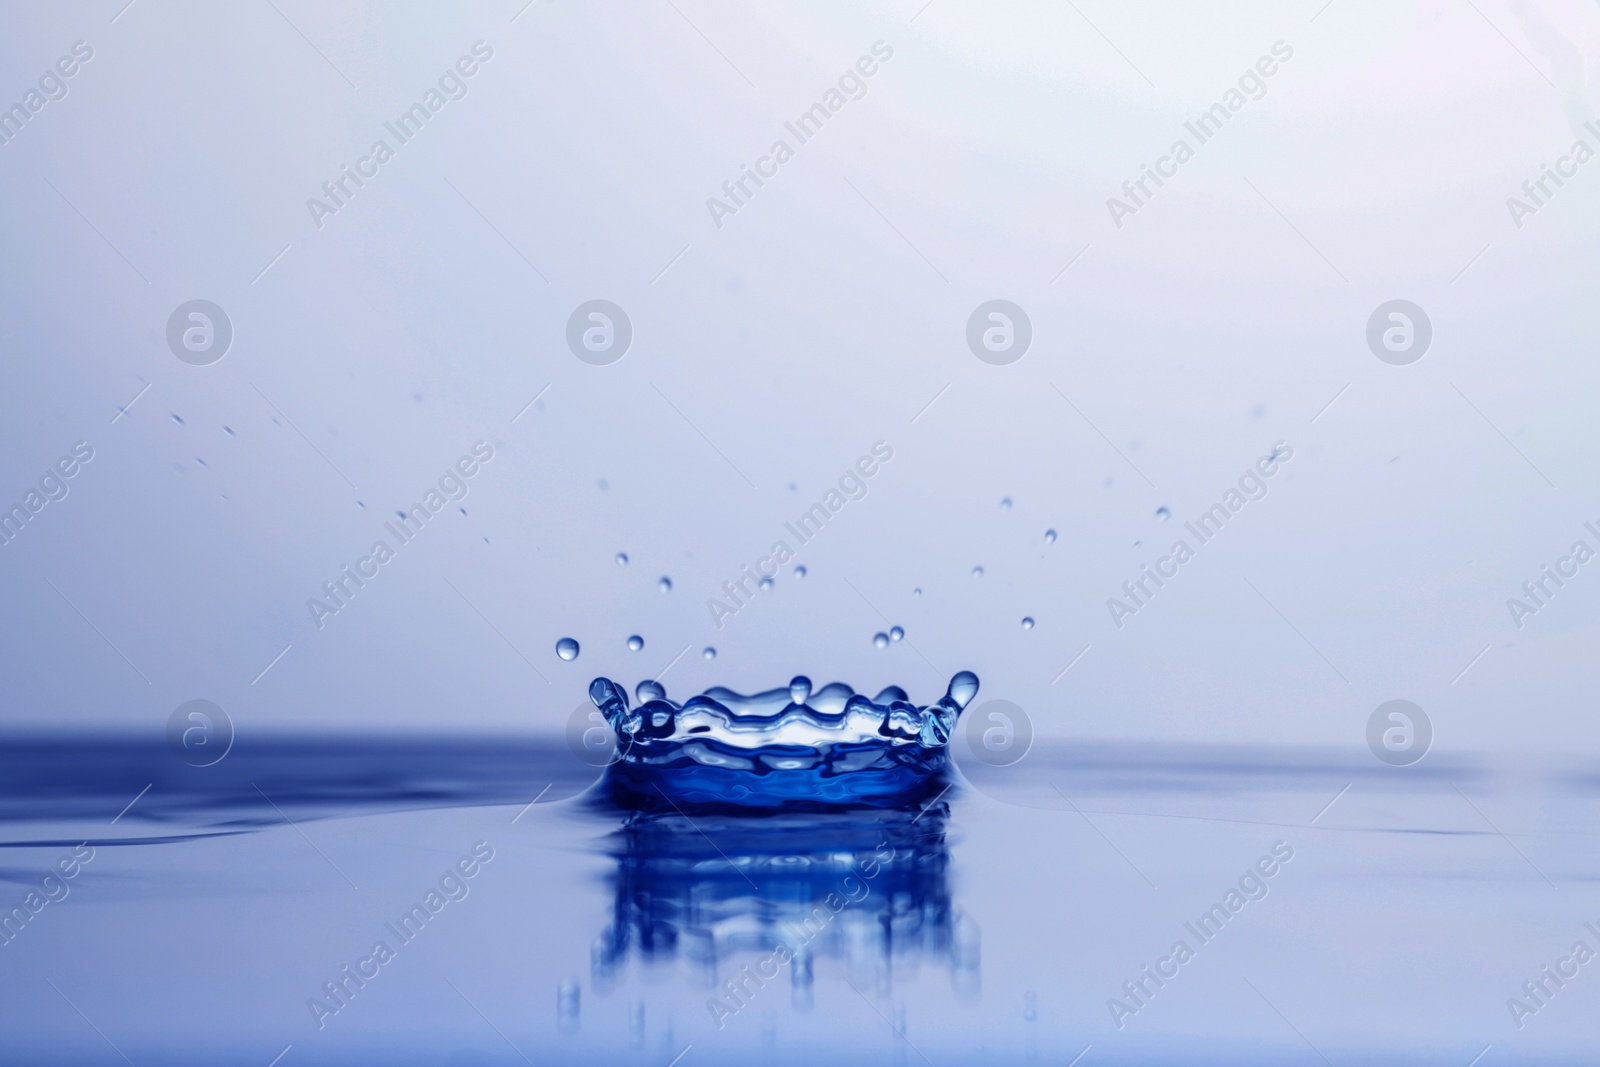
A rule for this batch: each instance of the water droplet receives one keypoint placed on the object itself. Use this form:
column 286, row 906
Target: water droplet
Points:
column 799, row 688
column 1005, row 503
column 200, row 461
column 665, row 584
column 1049, row 537
column 977, row 572
column 567, row 648
column 567, row 1007
column 649, row 689
column 709, row 653
column 1163, row 514
column 896, row 633
column 881, row 640
column 607, row 695
column 800, row 571
column 963, row 687
column 766, row 583
column 1027, row 622
column 176, row 419
column 622, row 559
column 635, row 642
column 636, row 1025
column 229, row 431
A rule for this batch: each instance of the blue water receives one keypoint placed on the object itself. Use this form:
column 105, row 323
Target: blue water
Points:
column 992, row 923
column 788, row 749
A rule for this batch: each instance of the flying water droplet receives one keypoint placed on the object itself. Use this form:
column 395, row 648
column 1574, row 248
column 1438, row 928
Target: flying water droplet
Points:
column 649, row 689
column 635, row 642
column 665, row 584
column 766, row 583
column 917, row 591
column 1027, row 622
column 622, row 559
column 897, row 633
column 1163, row 514
column 567, row 649
column 229, row 431
column 1049, row 537
column 799, row 688
column 977, row 572
column 176, row 419
column 1005, row 503
column 709, row 653
column 800, row 571
column 881, row 640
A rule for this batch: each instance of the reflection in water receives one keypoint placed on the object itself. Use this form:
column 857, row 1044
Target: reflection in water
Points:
column 743, row 899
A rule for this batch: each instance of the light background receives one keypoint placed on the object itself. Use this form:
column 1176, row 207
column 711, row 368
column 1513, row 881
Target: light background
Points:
column 777, row 348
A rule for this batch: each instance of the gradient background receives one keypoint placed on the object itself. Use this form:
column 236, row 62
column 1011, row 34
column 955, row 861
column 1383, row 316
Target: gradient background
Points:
column 792, row 338
column 768, row 354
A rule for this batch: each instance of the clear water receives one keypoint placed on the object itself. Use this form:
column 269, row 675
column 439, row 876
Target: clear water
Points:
column 989, row 925
column 790, row 749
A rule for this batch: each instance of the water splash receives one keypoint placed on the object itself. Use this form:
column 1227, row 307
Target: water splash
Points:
column 791, row 749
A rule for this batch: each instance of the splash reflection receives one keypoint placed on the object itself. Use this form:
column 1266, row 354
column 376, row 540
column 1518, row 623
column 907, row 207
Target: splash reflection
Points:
column 742, row 900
